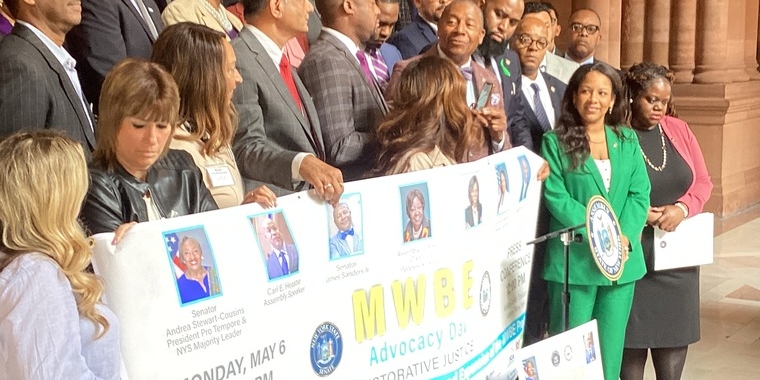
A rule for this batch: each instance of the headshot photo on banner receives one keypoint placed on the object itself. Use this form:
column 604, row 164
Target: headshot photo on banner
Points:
column 415, row 203
column 345, row 227
column 192, row 265
column 278, row 248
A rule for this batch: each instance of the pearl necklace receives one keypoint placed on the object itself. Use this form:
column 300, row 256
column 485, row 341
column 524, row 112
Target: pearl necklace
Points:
column 664, row 153
column 219, row 14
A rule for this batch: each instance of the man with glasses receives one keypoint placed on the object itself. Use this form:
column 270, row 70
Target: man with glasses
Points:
column 585, row 34
column 558, row 67
column 554, row 30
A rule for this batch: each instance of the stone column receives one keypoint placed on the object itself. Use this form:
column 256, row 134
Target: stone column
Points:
column 632, row 30
column 750, row 39
column 715, row 62
column 683, row 39
column 657, row 32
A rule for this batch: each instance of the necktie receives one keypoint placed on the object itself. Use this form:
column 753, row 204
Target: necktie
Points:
column 285, row 269
column 543, row 119
column 344, row 234
column 70, row 66
column 381, row 69
column 287, row 77
column 365, row 66
column 466, row 73
column 146, row 17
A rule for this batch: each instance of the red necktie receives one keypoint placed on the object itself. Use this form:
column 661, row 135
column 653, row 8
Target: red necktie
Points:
column 287, row 77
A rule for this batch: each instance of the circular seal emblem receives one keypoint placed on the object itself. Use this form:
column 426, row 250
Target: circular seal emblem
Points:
column 568, row 353
column 326, row 349
column 604, row 237
column 485, row 294
column 555, row 358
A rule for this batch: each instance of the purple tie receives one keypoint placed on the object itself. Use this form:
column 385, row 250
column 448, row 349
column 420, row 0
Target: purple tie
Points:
column 381, row 69
column 365, row 66
column 466, row 73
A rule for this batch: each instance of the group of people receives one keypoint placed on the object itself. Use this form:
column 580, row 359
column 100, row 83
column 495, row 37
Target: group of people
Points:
column 197, row 108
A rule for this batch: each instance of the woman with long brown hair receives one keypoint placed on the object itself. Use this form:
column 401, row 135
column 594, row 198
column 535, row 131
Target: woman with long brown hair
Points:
column 52, row 322
column 430, row 124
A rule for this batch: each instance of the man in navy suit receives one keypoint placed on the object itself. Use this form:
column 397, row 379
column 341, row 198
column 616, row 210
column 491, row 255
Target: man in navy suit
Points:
column 283, row 259
column 541, row 94
column 386, row 21
column 423, row 29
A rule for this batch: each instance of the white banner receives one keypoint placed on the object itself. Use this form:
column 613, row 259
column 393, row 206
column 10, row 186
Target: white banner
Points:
column 571, row 355
column 423, row 286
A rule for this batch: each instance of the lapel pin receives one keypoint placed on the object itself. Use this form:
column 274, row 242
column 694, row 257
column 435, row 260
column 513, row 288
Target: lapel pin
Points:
column 614, row 145
column 552, row 88
column 504, row 69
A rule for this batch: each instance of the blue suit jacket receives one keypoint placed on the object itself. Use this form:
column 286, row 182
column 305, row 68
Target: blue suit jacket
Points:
column 413, row 38
column 339, row 247
column 391, row 55
column 529, row 134
column 274, row 269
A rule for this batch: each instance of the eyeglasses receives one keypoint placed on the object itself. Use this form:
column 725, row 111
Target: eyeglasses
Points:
column 578, row 27
column 526, row 41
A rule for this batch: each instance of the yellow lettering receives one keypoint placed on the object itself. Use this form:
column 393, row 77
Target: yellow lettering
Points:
column 467, row 284
column 443, row 290
column 369, row 313
column 409, row 298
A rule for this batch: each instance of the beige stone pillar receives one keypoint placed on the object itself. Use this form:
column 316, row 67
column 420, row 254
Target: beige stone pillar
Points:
column 716, row 53
column 657, row 31
column 632, row 33
column 683, row 39
column 750, row 39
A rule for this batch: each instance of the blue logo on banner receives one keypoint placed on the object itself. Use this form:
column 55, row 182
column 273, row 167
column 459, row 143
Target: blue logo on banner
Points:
column 326, row 349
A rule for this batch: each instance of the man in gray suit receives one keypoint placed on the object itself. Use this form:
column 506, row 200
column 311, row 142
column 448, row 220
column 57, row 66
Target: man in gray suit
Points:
column 111, row 30
column 278, row 140
column 338, row 73
column 39, row 87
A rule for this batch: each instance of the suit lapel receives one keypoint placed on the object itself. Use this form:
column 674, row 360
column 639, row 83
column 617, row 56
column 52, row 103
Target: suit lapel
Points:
column 553, row 92
column 426, row 29
column 529, row 111
column 139, row 17
column 63, row 79
column 614, row 147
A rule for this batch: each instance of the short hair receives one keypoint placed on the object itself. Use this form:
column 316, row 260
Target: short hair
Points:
column 589, row 10
column 551, row 7
column 480, row 17
column 328, row 10
column 185, row 240
column 43, row 182
column 535, row 7
column 389, row 1
column 133, row 88
column 641, row 75
column 13, row 7
column 252, row 7
column 415, row 193
column 204, row 102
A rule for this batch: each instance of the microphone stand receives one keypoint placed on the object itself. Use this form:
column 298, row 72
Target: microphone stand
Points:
column 566, row 235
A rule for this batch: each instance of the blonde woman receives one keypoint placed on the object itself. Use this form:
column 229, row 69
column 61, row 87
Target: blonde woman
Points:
column 52, row 324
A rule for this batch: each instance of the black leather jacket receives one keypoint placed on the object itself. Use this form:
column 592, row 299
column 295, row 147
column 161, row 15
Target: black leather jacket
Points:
column 174, row 182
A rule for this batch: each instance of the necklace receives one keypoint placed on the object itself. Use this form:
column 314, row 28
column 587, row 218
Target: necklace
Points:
column 664, row 153
column 219, row 14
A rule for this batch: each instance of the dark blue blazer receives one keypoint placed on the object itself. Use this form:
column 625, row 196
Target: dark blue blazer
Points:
column 391, row 55
column 529, row 134
column 413, row 38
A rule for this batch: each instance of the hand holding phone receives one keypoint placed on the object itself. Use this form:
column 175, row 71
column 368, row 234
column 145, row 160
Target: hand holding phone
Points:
column 485, row 94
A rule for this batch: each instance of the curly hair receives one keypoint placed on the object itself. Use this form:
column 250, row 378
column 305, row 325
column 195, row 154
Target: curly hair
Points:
column 641, row 75
column 43, row 182
column 430, row 110
column 570, row 130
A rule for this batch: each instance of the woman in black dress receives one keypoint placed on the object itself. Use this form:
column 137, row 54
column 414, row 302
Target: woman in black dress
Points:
column 665, row 313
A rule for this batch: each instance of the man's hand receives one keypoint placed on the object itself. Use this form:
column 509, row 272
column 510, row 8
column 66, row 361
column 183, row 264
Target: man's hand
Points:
column 494, row 120
column 326, row 180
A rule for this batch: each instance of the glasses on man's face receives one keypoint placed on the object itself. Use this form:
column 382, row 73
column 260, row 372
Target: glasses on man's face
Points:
column 526, row 41
column 578, row 27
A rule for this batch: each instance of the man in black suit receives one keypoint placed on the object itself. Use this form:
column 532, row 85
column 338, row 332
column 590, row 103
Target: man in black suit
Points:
column 110, row 31
column 585, row 34
column 39, row 87
column 422, row 31
column 540, row 93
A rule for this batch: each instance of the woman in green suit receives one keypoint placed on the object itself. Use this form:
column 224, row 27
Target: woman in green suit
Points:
column 591, row 152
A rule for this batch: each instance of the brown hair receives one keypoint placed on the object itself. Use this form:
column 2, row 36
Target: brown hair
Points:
column 43, row 182
column 133, row 88
column 430, row 109
column 202, row 87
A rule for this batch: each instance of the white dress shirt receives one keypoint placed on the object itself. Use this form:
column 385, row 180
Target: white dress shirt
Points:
column 546, row 99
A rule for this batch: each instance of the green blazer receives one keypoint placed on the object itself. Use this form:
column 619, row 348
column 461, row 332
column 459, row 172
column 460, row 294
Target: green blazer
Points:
column 566, row 194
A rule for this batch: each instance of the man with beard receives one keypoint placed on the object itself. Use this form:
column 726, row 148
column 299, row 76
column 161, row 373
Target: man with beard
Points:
column 422, row 31
column 384, row 55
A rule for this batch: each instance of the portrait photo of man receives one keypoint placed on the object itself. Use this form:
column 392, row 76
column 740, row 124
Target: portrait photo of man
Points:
column 525, row 170
column 346, row 237
column 276, row 242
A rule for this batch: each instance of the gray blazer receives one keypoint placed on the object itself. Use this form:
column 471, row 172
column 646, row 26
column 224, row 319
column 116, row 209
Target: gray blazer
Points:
column 271, row 130
column 349, row 107
column 36, row 92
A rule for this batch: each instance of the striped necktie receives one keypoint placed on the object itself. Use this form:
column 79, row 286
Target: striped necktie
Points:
column 381, row 69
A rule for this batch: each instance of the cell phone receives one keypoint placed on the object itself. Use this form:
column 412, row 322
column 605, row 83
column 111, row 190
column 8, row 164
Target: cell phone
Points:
column 485, row 93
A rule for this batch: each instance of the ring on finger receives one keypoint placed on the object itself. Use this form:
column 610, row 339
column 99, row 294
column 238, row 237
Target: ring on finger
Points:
column 328, row 185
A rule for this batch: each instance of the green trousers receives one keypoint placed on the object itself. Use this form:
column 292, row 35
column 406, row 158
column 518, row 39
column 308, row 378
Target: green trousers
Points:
column 609, row 305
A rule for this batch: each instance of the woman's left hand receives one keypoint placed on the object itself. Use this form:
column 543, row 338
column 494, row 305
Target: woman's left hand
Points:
column 262, row 195
column 121, row 231
column 671, row 217
column 543, row 172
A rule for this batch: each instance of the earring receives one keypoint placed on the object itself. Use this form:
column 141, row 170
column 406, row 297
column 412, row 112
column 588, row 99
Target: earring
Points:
column 610, row 111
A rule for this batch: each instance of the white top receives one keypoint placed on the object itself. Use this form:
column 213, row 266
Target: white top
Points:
column 546, row 99
column 605, row 170
column 42, row 335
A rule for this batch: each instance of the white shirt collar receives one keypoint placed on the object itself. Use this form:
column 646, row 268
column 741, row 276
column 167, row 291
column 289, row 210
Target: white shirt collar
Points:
column 273, row 50
column 66, row 60
column 350, row 45
column 588, row 60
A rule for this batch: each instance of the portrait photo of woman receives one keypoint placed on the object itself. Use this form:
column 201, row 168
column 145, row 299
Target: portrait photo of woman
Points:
column 417, row 212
